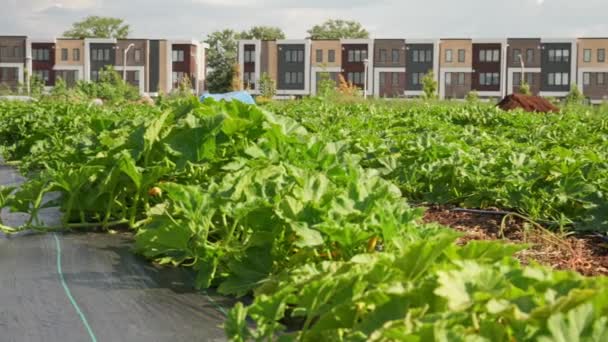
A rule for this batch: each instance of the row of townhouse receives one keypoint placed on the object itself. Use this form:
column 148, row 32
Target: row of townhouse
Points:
column 395, row 67
column 151, row 65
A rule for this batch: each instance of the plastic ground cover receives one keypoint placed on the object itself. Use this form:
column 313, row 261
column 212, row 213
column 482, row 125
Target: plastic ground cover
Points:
column 92, row 287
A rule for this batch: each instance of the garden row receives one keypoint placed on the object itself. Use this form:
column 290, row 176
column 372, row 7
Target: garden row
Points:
column 552, row 168
column 256, row 203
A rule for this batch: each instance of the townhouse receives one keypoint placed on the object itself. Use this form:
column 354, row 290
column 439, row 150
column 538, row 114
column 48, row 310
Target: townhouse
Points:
column 12, row 61
column 493, row 68
column 593, row 68
column 151, row 65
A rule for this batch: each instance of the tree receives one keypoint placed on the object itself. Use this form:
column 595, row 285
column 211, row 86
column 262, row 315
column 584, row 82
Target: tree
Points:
column 429, row 85
column 221, row 57
column 222, row 53
column 99, row 27
column 337, row 29
column 263, row 33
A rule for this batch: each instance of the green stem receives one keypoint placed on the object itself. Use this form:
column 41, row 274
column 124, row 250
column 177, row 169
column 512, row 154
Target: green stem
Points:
column 133, row 212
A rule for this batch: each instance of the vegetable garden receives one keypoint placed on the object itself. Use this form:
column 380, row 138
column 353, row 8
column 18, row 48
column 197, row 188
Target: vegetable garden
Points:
column 313, row 207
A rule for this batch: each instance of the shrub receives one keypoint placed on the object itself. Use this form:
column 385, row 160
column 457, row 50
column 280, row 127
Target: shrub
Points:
column 429, row 86
column 524, row 89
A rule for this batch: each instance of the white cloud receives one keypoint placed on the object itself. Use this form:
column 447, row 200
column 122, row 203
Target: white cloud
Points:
column 384, row 18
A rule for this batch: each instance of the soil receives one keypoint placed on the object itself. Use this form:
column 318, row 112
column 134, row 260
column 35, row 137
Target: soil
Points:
column 527, row 103
column 586, row 254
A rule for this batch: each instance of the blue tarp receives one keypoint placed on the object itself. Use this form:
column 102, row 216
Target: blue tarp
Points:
column 242, row 96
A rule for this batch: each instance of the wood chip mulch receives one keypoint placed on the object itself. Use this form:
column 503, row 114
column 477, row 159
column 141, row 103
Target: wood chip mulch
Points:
column 587, row 255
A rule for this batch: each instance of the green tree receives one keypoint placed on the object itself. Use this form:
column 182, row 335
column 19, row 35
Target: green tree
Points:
column 429, row 85
column 222, row 53
column 263, row 33
column 338, row 28
column 221, row 56
column 99, row 27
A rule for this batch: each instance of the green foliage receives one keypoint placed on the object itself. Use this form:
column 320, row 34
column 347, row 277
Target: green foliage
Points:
column 263, row 33
column 268, row 87
column 429, row 86
column 575, row 97
column 472, row 97
column 110, row 87
column 338, row 29
column 524, row 88
column 60, row 90
column 478, row 156
column 326, row 86
column 98, row 27
column 36, row 86
column 304, row 209
column 221, row 56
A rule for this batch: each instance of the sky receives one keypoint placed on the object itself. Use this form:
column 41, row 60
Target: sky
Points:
column 194, row 19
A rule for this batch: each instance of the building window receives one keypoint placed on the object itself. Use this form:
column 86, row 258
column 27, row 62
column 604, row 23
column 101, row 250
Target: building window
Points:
column 249, row 79
column 178, row 55
column 176, row 77
column 331, row 56
column 558, row 79
column 9, row 74
column 99, row 55
column 517, row 78
column 489, row 78
column 292, row 77
column 422, row 56
column 382, row 78
column 587, row 55
column 383, row 56
column 4, row 51
column 64, row 54
column 448, row 56
column 530, row 56
column 17, row 50
column 294, row 56
column 448, row 79
column 94, row 75
column 76, row 55
column 461, row 55
column 461, row 78
column 319, row 56
column 586, row 78
column 559, row 55
column 489, row 55
column 516, row 55
column 600, row 78
column 40, row 54
column 357, row 55
column 355, row 77
column 601, row 55
column 395, row 79
column 395, row 56
column 137, row 55
column 417, row 78
column 249, row 56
